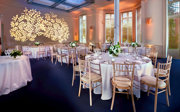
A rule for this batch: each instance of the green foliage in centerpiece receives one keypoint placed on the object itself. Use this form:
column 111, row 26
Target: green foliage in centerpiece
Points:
column 73, row 44
column 37, row 43
column 16, row 53
column 114, row 50
column 135, row 44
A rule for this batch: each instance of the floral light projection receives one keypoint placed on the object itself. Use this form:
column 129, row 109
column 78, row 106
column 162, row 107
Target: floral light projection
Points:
column 56, row 28
column 27, row 26
column 31, row 24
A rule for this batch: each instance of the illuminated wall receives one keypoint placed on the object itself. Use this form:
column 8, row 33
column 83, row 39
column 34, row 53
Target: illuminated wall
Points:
column 9, row 8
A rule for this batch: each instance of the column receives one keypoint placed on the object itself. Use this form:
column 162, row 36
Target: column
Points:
column 116, row 21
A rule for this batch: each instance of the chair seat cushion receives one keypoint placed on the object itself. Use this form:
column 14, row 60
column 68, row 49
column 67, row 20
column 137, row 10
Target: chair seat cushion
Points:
column 94, row 77
column 150, row 80
column 121, row 82
column 162, row 72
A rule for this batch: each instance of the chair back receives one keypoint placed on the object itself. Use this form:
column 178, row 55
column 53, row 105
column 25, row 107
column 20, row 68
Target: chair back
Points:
column 94, row 67
column 163, row 66
column 73, row 56
column 81, row 52
column 153, row 57
column 125, row 70
column 72, row 51
column 81, row 64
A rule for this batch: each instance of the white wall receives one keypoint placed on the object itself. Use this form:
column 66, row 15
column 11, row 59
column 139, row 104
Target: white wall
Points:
column 154, row 33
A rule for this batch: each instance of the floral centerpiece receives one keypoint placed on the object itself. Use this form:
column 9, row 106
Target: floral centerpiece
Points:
column 37, row 43
column 135, row 44
column 114, row 50
column 16, row 53
column 73, row 44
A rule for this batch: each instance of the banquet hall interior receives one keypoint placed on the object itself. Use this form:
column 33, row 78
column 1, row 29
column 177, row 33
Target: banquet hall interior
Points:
column 90, row 55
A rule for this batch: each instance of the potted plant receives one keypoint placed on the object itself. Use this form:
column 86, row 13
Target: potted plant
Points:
column 114, row 50
column 15, row 53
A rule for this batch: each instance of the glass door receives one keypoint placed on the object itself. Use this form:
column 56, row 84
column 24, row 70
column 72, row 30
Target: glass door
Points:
column 174, row 28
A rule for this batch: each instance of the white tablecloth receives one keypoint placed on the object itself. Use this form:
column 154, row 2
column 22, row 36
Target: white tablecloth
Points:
column 14, row 73
column 35, row 49
column 143, row 67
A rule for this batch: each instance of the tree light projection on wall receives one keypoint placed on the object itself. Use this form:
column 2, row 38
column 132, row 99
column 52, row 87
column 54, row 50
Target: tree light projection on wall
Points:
column 31, row 24
column 56, row 28
column 27, row 26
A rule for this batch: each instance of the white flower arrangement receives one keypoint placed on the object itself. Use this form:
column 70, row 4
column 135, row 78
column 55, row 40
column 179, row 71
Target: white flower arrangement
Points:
column 73, row 44
column 134, row 44
column 114, row 50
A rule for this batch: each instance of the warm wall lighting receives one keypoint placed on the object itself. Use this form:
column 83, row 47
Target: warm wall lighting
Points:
column 55, row 28
column 148, row 20
column 76, row 36
column 31, row 24
column 90, row 32
column 27, row 26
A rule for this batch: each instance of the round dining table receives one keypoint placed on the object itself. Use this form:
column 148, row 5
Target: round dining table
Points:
column 14, row 73
column 143, row 66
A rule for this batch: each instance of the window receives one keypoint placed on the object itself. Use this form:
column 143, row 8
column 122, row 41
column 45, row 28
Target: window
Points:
column 174, row 28
column 126, row 27
column 109, row 27
column 82, row 28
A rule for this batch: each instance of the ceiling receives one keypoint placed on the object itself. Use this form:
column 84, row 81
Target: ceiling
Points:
column 79, row 5
column 64, row 5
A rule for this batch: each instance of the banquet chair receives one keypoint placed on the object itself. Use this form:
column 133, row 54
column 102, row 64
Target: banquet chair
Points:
column 61, row 55
column 164, row 74
column 90, row 76
column 123, row 77
column 41, row 52
column 81, row 53
column 52, row 51
column 153, row 56
column 160, row 85
column 27, row 51
column 76, row 68
column 71, row 52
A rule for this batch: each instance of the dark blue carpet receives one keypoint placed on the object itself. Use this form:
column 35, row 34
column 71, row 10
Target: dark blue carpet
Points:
column 51, row 91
